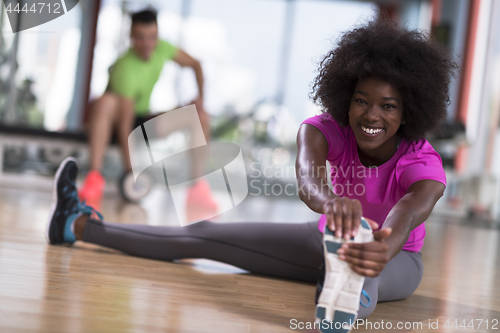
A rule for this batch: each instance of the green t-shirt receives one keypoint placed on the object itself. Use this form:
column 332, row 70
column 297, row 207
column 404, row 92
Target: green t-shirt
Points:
column 135, row 78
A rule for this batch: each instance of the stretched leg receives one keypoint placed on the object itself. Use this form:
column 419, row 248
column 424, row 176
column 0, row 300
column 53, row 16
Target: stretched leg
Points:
column 285, row 250
column 292, row 251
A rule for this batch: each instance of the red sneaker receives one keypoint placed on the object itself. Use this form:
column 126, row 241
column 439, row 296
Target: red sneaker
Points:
column 200, row 195
column 93, row 189
column 200, row 204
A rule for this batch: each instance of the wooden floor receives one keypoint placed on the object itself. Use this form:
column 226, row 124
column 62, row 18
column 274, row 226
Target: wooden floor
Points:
column 86, row 288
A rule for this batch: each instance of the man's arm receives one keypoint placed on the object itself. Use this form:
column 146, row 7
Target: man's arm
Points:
column 185, row 60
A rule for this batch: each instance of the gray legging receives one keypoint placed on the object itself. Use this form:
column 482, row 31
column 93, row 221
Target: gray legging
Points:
column 285, row 250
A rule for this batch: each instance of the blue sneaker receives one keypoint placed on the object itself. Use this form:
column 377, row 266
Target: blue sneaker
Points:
column 66, row 206
column 339, row 290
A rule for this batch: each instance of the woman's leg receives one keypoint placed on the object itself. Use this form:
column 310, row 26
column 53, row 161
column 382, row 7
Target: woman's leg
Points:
column 277, row 249
column 399, row 279
column 285, row 250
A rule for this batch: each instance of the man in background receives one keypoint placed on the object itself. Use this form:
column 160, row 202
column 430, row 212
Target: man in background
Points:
column 125, row 104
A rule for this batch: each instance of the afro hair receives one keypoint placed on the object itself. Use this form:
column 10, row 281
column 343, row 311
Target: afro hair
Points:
column 419, row 67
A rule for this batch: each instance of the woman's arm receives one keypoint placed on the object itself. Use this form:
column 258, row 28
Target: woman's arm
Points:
column 343, row 214
column 409, row 212
column 310, row 168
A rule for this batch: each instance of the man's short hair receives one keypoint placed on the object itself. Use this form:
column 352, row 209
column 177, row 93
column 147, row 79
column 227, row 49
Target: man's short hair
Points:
column 147, row 16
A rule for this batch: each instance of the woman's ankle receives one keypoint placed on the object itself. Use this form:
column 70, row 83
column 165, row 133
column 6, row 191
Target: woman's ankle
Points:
column 79, row 226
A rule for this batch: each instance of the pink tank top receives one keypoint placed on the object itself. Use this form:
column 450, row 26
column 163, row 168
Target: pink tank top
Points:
column 380, row 188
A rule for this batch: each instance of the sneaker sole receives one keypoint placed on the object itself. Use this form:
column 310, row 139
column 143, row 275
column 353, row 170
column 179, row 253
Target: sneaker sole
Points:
column 54, row 196
column 338, row 302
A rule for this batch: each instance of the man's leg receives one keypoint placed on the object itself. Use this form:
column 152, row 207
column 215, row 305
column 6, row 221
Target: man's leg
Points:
column 199, row 158
column 200, row 203
column 102, row 119
column 163, row 127
column 123, row 125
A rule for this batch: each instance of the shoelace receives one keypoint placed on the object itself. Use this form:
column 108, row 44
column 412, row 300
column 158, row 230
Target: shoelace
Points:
column 79, row 207
column 364, row 293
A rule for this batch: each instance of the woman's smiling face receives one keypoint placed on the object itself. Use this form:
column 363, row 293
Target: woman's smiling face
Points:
column 375, row 114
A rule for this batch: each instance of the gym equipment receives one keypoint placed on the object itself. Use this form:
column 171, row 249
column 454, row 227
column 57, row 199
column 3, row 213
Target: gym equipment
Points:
column 132, row 190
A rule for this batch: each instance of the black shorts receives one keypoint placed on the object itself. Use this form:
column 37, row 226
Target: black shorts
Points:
column 139, row 120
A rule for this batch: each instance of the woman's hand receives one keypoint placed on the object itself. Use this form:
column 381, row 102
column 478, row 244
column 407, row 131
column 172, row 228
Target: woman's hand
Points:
column 343, row 216
column 367, row 259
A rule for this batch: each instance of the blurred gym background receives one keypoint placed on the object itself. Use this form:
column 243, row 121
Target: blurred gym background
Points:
column 259, row 58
